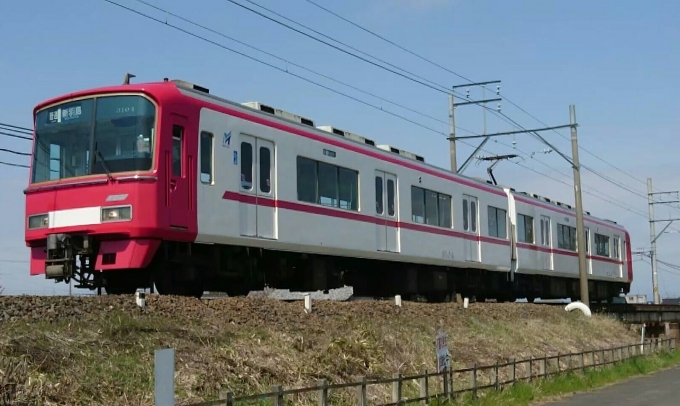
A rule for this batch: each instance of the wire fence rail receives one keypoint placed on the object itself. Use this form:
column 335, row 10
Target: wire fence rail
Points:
column 449, row 383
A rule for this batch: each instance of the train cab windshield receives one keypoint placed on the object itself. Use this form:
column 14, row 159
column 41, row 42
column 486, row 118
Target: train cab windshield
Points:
column 93, row 136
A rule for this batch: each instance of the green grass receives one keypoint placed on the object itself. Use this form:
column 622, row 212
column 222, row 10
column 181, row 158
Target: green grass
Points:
column 541, row 389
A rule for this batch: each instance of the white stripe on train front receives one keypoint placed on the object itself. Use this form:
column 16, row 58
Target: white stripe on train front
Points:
column 75, row 217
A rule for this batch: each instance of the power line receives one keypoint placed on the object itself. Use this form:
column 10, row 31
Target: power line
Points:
column 298, row 65
column 274, row 66
column 438, row 88
column 16, row 136
column 469, row 80
column 325, row 87
column 11, row 151
column 17, row 129
column 11, row 164
column 388, row 41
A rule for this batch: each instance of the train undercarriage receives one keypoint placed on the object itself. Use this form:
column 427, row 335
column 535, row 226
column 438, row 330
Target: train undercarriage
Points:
column 189, row 269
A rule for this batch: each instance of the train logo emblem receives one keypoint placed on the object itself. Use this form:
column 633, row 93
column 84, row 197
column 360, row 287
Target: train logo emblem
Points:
column 226, row 141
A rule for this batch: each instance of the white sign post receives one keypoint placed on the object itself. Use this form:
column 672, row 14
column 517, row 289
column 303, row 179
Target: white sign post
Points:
column 443, row 360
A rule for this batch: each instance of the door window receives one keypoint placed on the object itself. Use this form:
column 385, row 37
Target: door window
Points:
column 177, row 135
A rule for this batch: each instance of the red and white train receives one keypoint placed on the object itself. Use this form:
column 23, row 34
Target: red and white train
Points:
column 162, row 184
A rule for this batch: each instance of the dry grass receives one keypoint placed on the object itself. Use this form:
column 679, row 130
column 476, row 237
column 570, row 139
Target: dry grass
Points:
column 102, row 351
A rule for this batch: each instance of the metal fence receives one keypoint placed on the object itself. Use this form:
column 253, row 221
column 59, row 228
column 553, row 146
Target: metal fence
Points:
column 446, row 384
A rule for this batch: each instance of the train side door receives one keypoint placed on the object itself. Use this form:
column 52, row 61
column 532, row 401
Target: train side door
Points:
column 546, row 251
column 266, row 192
column 471, row 227
column 257, row 206
column 387, row 230
column 617, row 255
column 176, row 168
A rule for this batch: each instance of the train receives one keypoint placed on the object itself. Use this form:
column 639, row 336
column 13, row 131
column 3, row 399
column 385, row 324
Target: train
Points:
column 164, row 185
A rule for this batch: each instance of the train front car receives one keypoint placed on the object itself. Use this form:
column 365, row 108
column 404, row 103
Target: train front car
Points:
column 105, row 184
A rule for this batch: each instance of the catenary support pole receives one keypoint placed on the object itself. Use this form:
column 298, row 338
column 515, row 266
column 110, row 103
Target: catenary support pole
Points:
column 652, row 238
column 452, row 134
column 580, row 229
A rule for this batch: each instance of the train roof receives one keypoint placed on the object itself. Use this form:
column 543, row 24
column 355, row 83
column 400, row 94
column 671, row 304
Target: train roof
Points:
column 305, row 121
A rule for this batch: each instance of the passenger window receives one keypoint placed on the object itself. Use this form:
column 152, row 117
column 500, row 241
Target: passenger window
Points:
column 206, row 157
column 177, row 135
column 265, row 170
column 379, row 201
column 390, row 197
column 246, row 166
column 328, row 185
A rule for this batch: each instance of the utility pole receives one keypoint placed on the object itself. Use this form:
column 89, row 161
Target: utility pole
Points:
column 653, row 236
column 580, row 229
column 452, row 121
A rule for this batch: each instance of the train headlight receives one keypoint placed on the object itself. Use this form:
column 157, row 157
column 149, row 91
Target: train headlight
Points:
column 38, row 221
column 123, row 213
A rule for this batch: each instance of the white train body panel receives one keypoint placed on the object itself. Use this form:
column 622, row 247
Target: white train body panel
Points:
column 270, row 215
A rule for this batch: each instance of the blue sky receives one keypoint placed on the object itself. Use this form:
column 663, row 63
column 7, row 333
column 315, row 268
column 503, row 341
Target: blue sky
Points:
column 614, row 60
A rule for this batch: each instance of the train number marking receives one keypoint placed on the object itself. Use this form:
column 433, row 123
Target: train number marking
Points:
column 447, row 254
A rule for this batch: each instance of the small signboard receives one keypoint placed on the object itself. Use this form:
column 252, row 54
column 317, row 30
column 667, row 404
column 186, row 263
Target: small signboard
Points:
column 443, row 360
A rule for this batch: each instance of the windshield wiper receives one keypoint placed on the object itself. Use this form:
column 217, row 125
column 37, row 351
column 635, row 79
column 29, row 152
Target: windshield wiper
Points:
column 106, row 168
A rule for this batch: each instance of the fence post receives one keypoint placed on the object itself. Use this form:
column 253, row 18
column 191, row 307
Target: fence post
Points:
column 423, row 387
column 559, row 368
column 473, row 380
column 531, row 367
column 496, row 373
column 277, row 399
column 164, row 366
column 323, row 392
column 228, row 398
column 361, row 391
column 445, row 381
column 541, row 367
column 396, row 388
column 512, row 370
column 582, row 362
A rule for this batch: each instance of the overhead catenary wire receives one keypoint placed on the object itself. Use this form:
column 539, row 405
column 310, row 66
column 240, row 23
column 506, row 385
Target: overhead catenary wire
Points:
column 448, row 91
column 504, row 116
column 505, row 98
column 439, row 88
column 298, row 77
column 277, row 67
column 282, row 70
column 287, row 61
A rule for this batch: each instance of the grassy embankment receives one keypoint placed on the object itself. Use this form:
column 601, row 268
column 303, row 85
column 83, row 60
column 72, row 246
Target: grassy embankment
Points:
column 100, row 351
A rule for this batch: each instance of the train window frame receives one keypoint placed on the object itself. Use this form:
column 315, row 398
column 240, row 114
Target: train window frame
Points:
column 525, row 234
column 264, row 182
column 434, row 217
column 341, row 200
column 616, row 247
column 245, row 183
column 495, row 230
column 177, row 150
column 569, row 232
column 379, row 195
column 602, row 245
column 207, row 155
